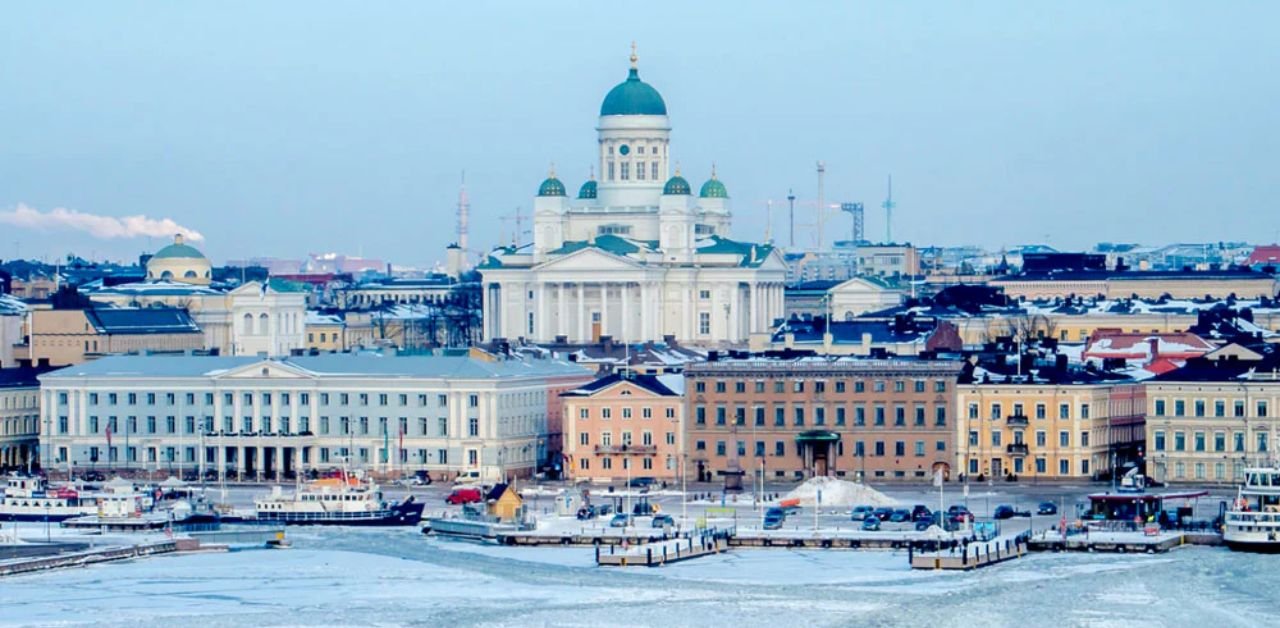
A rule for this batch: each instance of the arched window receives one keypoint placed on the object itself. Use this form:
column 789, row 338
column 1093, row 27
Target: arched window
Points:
column 264, row 323
column 166, row 275
column 248, row 324
column 190, row 274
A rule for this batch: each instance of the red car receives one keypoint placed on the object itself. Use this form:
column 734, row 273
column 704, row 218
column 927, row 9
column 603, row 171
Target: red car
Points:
column 464, row 496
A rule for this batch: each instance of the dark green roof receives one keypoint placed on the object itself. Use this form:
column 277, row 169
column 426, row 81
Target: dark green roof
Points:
column 713, row 188
column 588, row 189
column 676, row 185
column 179, row 251
column 608, row 243
column 633, row 97
column 551, row 187
column 752, row 254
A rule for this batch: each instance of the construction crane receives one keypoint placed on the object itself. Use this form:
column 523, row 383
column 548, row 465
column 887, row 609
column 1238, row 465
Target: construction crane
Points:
column 855, row 215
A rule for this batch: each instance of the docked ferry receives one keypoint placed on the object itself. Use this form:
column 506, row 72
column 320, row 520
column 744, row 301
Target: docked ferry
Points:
column 31, row 499
column 344, row 501
column 1253, row 522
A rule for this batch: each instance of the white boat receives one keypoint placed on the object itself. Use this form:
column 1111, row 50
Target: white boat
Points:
column 1252, row 524
column 32, row 499
column 343, row 500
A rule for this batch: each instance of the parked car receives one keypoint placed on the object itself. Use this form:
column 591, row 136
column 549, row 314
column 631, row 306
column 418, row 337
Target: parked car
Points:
column 923, row 524
column 871, row 524
column 901, row 515
column 604, row 510
column 920, row 512
column 860, row 513
column 464, row 496
column 620, row 521
column 1005, row 511
column 774, row 517
column 1047, row 508
column 586, row 513
column 883, row 513
column 642, row 482
column 662, row 521
column 958, row 513
column 93, row 476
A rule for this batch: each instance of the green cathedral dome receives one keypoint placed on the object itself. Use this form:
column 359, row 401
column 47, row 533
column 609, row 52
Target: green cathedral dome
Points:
column 588, row 189
column 676, row 185
column 633, row 97
column 551, row 187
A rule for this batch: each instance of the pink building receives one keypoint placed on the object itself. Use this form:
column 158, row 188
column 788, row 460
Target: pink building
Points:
column 618, row 427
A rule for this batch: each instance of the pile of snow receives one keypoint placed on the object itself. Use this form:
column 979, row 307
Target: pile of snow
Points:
column 836, row 492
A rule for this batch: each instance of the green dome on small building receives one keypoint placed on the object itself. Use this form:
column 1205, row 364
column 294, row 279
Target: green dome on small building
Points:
column 551, row 187
column 677, row 185
column 713, row 188
column 588, row 189
column 179, row 249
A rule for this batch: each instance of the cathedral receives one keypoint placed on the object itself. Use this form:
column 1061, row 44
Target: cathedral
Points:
column 636, row 256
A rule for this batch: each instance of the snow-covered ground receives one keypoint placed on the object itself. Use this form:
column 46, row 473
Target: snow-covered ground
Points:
column 398, row 577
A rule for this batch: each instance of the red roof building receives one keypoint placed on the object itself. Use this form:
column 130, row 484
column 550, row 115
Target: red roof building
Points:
column 1264, row 255
column 1144, row 348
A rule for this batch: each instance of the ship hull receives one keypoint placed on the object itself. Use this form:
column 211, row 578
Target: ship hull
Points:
column 407, row 514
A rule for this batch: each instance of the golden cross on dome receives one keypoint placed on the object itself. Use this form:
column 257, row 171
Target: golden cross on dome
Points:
column 634, row 58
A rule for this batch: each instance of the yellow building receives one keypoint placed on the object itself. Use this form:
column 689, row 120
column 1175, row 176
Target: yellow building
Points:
column 1207, row 423
column 504, row 502
column 326, row 332
column 65, row 337
column 1034, row 430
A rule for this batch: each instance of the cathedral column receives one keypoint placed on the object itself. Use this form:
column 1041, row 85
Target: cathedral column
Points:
column 719, row 323
column 644, row 310
column 735, row 316
column 486, row 320
column 582, row 313
column 626, row 312
column 562, row 305
column 541, row 325
column 754, row 309
column 604, row 309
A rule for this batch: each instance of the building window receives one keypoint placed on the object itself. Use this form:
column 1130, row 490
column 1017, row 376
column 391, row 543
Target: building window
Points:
column 653, row 167
column 1159, row 405
column 919, row 448
column 1199, row 441
column 625, row 171
column 973, row 411
column 995, row 439
column 1064, row 467
column 1179, row 441
column 473, row 427
column 996, row 411
column 704, row 323
column 1064, row 411
column 1159, row 440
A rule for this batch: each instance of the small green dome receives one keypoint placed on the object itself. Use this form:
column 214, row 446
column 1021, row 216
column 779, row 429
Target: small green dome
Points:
column 633, row 97
column 588, row 189
column 179, row 249
column 676, row 185
column 713, row 188
column 551, row 187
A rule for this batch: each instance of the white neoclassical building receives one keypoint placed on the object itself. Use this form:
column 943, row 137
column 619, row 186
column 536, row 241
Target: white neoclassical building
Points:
column 636, row 256
column 256, row 418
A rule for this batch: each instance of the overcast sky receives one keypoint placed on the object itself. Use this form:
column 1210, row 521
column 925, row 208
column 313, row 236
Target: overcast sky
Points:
column 278, row 129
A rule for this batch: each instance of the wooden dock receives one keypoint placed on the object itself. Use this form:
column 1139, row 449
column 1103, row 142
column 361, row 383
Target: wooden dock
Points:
column 1121, row 542
column 662, row 552
column 93, row 556
column 970, row 556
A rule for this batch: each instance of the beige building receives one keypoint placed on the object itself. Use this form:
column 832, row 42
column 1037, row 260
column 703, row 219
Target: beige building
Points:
column 64, row 337
column 1143, row 284
column 619, row 427
column 1207, row 422
column 888, row 260
column 1035, row 430
column 19, row 417
column 326, row 332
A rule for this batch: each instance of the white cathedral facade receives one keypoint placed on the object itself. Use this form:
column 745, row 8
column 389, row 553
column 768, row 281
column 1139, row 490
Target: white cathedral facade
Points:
column 636, row 256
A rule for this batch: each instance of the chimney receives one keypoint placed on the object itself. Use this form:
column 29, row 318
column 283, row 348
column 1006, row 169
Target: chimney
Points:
column 713, row 356
column 669, row 340
column 1155, row 348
